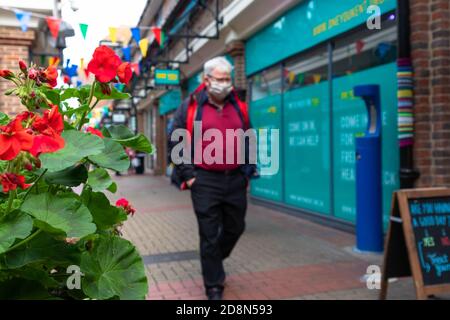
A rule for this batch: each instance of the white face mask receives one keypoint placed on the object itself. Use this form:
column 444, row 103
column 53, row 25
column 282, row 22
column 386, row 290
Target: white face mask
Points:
column 220, row 90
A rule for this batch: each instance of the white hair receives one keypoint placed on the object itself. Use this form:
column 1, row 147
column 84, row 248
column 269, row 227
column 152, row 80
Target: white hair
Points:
column 220, row 63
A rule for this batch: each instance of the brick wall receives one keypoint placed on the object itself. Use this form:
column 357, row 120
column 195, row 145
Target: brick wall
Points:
column 14, row 45
column 430, row 39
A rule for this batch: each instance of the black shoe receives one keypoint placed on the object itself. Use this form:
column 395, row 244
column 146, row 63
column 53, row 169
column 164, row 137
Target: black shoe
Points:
column 215, row 294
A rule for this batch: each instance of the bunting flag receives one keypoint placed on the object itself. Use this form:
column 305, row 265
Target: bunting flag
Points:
column 143, row 45
column 291, row 77
column 113, row 34
column 360, row 44
column 119, row 86
column 53, row 25
column 317, row 78
column 83, row 28
column 383, row 49
column 24, row 19
column 136, row 33
column 86, row 72
column 136, row 69
column 81, row 63
column 54, row 61
column 127, row 53
column 301, row 78
column 159, row 35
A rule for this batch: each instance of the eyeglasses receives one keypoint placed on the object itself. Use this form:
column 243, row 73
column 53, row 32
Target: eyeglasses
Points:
column 222, row 80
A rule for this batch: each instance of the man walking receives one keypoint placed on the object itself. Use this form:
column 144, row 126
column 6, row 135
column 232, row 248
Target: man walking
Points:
column 218, row 188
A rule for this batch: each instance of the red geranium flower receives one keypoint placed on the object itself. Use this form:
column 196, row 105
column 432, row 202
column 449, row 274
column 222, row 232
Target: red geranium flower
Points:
column 49, row 129
column 124, row 72
column 50, row 75
column 14, row 138
column 6, row 74
column 104, row 64
column 126, row 206
column 95, row 132
column 10, row 181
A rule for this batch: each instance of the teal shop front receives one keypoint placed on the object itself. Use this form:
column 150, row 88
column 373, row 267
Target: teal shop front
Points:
column 302, row 69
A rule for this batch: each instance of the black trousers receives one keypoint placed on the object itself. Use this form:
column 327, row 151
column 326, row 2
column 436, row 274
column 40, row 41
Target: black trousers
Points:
column 220, row 204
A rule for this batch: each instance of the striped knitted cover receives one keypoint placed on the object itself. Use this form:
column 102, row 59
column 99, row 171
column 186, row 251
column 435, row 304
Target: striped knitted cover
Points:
column 405, row 102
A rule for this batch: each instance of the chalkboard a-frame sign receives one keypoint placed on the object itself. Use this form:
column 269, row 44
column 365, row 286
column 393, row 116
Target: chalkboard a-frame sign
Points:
column 418, row 241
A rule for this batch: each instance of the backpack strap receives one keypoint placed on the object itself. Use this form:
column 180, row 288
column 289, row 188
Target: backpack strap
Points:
column 244, row 111
column 190, row 116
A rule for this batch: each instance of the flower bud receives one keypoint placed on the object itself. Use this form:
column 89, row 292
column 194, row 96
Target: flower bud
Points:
column 23, row 66
column 6, row 74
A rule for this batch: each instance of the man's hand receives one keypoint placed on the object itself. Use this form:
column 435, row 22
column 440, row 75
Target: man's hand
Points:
column 190, row 182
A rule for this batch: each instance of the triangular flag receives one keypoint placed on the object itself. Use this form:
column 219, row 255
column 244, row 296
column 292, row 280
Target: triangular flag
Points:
column 53, row 61
column 159, row 35
column 127, row 53
column 113, row 34
column 81, row 63
column 24, row 19
column 143, row 44
column 135, row 68
column 136, row 33
column 53, row 25
column 86, row 72
column 360, row 46
column 317, row 78
column 119, row 86
column 83, row 28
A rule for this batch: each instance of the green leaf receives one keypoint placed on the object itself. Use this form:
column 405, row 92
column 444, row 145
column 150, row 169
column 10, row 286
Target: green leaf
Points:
column 120, row 132
column 113, row 157
column 112, row 188
column 43, row 248
column 70, row 93
column 4, row 119
column 16, row 225
column 114, row 268
column 52, row 95
column 99, row 179
column 78, row 145
column 36, row 273
column 105, row 215
column 60, row 213
column 79, row 111
column 23, row 289
column 115, row 94
column 125, row 137
column 70, row 177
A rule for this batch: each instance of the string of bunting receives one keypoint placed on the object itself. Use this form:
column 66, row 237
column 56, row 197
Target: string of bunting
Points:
column 54, row 25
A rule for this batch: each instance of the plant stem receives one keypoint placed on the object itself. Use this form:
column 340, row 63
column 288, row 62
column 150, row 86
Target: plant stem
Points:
column 24, row 241
column 91, row 96
column 35, row 184
column 10, row 201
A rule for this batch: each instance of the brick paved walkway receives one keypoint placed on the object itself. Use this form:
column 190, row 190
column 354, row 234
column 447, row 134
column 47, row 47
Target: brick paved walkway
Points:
column 278, row 257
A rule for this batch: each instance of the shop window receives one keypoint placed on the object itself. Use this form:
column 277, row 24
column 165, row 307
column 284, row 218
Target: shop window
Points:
column 308, row 69
column 363, row 57
column 306, row 122
column 266, row 83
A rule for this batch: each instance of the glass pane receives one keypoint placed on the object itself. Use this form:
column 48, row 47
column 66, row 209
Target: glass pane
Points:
column 365, row 57
column 307, row 132
column 266, row 84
